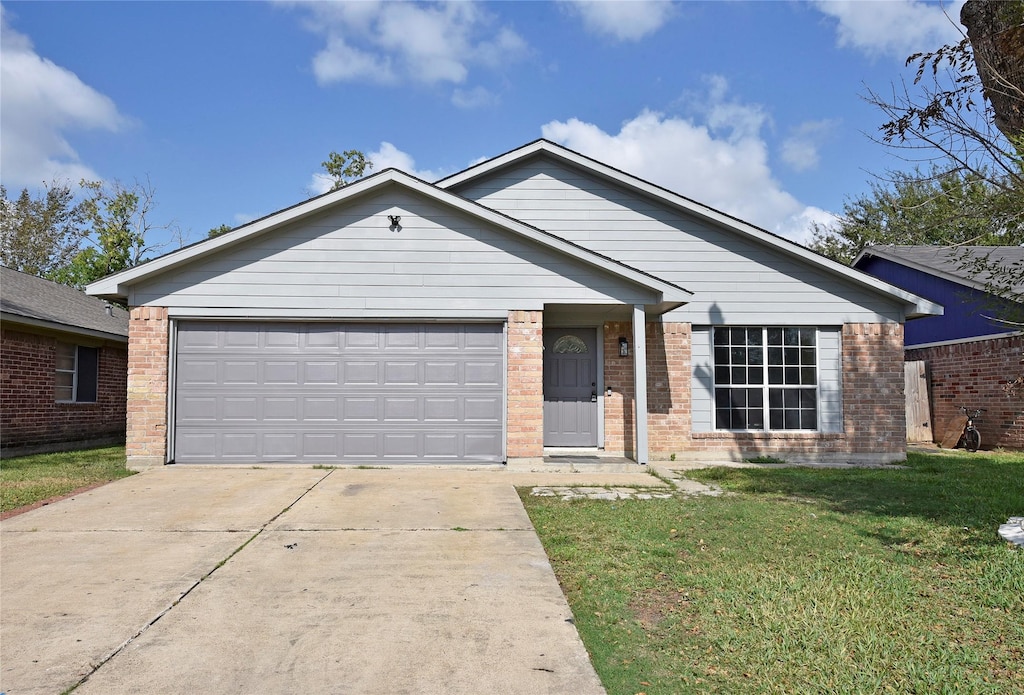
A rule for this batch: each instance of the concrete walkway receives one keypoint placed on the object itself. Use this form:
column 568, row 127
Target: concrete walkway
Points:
column 191, row 579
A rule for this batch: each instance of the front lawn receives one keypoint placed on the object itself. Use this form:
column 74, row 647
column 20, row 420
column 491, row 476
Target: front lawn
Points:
column 802, row 580
column 26, row 480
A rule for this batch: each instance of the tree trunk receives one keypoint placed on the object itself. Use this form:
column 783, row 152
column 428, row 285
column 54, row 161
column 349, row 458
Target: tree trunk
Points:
column 995, row 29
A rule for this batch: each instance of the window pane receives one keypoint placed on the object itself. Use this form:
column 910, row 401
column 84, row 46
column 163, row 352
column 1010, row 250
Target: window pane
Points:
column 808, row 376
column 775, row 336
column 721, row 355
column 569, row 344
column 792, row 418
column 755, row 355
column 791, row 356
column 88, row 374
column 808, row 420
column 721, row 336
column 775, row 421
column 755, row 420
column 807, row 356
column 792, row 336
column 774, row 375
column 65, row 380
column 807, row 336
column 62, row 393
column 755, row 375
column 739, row 375
column 774, row 355
column 793, row 376
column 722, row 375
column 738, row 355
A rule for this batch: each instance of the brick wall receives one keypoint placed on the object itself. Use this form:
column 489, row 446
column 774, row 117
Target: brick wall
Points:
column 874, row 409
column 30, row 417
column 668, row 389
column 975, row 374
column 874, row 403
column 525, row 384
column 148, row 335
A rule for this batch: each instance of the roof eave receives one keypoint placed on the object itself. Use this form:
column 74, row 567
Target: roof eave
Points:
column 56, row 326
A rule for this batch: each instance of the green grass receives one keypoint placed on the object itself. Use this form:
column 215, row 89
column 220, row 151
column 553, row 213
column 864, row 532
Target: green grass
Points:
column 802, row 580
column 28, row 479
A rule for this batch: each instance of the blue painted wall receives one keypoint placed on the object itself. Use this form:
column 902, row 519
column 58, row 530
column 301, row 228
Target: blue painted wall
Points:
column 964, row 306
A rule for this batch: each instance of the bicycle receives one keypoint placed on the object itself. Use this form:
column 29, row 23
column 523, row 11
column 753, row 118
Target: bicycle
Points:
column 971, row 436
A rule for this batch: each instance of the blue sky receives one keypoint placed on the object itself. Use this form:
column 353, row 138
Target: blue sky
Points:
column 228, row 108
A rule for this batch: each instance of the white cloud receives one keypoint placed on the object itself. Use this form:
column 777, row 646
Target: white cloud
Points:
column 397, row 42
column 800, row 149
column 41, row 102
column 894, row 28
column 721, row 162
column 619, row 19
column 388, row 156
column 475, row 98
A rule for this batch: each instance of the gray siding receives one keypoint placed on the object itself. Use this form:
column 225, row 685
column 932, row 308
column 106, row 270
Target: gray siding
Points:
column 830, row 397
column 349, row 263
column 735, row 280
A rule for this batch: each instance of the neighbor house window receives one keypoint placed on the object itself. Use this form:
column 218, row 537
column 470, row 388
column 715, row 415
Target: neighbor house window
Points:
column 77, row 373
column 766, row 378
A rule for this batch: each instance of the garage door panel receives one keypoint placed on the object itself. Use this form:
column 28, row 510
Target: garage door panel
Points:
column 342, row 392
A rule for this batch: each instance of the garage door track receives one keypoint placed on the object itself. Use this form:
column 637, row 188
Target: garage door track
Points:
column 185, row 580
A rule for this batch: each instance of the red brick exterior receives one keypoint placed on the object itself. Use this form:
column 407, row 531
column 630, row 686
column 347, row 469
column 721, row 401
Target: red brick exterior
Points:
column 31, row 420
column 975, row 374
column 148, row 335
column 668, row 388
column 873, row 401
column 525, row 438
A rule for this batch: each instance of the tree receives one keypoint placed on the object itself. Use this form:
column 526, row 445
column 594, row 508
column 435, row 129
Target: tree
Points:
column 972, row 190
column 346, row 167
column 940, row 208
column 995, row 29
column 217, row 231
column 118, row 232
column 39, row 235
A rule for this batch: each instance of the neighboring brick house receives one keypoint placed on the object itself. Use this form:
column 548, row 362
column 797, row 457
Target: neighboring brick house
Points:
column 63, row 367
column 536, row 302
column 969, row 353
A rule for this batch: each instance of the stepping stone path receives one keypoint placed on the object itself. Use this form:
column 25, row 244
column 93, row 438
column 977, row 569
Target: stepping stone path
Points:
column 682, row 485
column 1013, row 530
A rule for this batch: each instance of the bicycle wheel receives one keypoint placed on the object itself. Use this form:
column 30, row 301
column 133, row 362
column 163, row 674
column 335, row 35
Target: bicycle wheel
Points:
column 972, row 440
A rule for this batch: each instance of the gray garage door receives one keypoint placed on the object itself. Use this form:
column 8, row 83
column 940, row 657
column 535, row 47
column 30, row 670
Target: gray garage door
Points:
column 344, row 393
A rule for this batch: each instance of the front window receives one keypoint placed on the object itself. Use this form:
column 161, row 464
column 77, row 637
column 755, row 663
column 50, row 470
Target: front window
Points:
column 766, row 378
column 77, row 373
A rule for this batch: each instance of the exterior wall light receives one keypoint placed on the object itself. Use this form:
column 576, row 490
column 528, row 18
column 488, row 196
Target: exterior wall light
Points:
column 623, row 347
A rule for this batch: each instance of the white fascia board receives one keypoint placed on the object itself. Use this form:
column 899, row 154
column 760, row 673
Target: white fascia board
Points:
column 117, row 285
column 914, row 305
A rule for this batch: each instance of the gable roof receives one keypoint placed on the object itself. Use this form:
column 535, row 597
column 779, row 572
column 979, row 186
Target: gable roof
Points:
column 915, row 306
column 116, row 286
column 945, row 261
column 29, row 300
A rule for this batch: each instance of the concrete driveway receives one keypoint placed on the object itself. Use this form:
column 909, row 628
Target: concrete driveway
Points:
column 185, row 580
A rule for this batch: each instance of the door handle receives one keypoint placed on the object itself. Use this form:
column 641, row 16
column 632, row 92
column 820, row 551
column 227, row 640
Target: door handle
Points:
column 593, row 396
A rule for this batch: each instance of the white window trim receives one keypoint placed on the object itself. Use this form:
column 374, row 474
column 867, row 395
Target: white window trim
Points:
column 765, row 386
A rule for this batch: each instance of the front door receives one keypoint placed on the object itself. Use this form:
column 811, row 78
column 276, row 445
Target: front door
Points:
column 570, row 387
